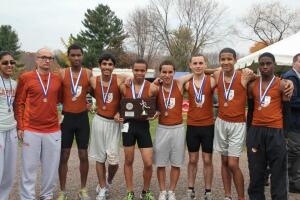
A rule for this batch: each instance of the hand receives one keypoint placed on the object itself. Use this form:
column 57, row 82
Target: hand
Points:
column 128, row 80
column 156, row 115
column 20, row 134
column 118, row 118
column 288, row 88
column 158, row 81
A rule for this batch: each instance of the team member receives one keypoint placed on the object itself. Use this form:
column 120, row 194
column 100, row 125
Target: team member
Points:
column 265, row 138
column 37, row 97
column 105, row 134
column 75, row 81
column 200, row 124
column 8, row 132
column 169, row 144
column 293, row 143
column 138, row 131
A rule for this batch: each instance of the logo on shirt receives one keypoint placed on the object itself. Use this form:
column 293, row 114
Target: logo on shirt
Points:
column 266, row 101
column 172, row 103
column 110, row 97
column 231, row 95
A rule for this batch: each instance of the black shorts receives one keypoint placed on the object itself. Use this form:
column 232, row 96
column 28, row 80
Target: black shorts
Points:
column 200, row 135
column 138, row 132
column 75, row 124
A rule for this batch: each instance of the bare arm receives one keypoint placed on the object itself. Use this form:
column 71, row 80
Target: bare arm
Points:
column 284, row 95
column 153, row 92
column 93, row 82
column 212, row 71
column 183, row 80
column 247, row 76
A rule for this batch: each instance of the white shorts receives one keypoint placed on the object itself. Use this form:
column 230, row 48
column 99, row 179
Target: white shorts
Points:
column 105, row 140
column 169, row 146
column 229, row 137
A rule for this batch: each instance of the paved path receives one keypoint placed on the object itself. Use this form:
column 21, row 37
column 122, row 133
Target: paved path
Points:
column 119, row 188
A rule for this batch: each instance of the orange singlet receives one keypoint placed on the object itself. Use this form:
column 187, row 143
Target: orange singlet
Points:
column 235, row 111
column 270, row 114
column 145, row 94
column 79, row 105
column 200, row 116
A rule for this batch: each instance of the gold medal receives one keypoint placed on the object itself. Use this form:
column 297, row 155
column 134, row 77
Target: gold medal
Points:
column 45, row 100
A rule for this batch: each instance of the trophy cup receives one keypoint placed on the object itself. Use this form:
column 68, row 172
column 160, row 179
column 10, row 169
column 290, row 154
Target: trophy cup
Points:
column 144, row 106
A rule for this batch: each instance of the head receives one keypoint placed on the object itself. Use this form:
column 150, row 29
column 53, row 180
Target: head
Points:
column 139, row 70
column 44, row 59
column 107, row 62
column 266, row 64
column 7, row 64
column 167, row 71
column 198, row 63
column 227, row 59
column 75, row 55
column 296, row 62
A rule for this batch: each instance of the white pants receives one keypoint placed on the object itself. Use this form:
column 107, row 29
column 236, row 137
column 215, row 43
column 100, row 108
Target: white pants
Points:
column 39, row 148
column 8, row 161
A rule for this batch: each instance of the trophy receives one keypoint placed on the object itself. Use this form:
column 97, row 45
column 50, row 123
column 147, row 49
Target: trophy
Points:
column 138, row 108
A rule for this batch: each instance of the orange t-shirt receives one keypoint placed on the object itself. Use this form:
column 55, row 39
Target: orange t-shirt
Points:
column 32, row 113
column 112, row 100
column 235, row 109
column 174, row 108
column 79, row 105
column 270, row 114
column 201, row 116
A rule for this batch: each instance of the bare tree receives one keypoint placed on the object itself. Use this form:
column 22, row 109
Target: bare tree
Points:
column 270, row 22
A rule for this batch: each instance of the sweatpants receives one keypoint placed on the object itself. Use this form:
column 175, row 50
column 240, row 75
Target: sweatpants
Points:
column 294, row 161
column 39, row 149
column 8, row 161
column 267, row 146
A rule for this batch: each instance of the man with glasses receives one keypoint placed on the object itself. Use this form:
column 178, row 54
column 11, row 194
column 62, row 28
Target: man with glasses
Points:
column 37, row 96
column 75, row 81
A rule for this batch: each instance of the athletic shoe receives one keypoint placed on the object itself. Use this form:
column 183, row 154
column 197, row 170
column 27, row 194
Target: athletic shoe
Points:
column 163, row 195
column 102, row 194
column 83, row 194
column 130, row 196
column 62, row 196
column 208, row 196
column 147, row 196
column 190, row 194
column 228, row 198
column 171, row 195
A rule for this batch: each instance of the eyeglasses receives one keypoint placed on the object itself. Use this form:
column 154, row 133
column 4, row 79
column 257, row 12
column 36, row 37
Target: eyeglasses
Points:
column 107, row 64
column 7, row 62
column 45, row 58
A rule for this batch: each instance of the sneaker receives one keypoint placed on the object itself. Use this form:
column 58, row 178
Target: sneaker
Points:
column 171, row 195
column 130, row 196
column 147, row 196
column 62, row 196
column 208, row 196
column 190, row 194
column 163, row 195
column 83, row 194
column 102, row 194
column 227, row 198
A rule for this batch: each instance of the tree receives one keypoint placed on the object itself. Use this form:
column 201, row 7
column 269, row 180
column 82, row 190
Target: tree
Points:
column 103, row 31
column 270, row 22
column 257, row 46
column 9, row 40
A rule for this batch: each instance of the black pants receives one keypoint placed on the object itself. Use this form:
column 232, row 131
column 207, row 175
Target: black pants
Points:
column 294, row 161
column 267, row 146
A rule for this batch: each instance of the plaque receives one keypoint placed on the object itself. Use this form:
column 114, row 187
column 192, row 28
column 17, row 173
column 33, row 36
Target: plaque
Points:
column 138, row 108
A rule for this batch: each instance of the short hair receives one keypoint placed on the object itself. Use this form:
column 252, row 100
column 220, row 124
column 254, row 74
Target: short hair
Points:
column 167, row 62
column 74, row 46
column 295, row 58
column 199, row 55
column 228, row 50
column 106, row 56
column 267, row 54
column 5, row 53
column 140, row 61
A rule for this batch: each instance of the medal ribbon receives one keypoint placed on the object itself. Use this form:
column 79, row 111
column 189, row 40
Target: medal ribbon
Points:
column 8, row 95
column 164, row 98
column 45, row 90
column 104, row 95
column 227, row 91
column 75, row 87
column 198, row 94
column 262, row 97
column 140, row 92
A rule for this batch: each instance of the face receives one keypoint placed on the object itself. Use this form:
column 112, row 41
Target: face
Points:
column 167, row 73
column 266, row 66
column 296, row 65
column 139, row 71
column 227, row 62
column 7, row 63
column 198, row 65
column 106, row 67
column 44, row 59
column 75, row 56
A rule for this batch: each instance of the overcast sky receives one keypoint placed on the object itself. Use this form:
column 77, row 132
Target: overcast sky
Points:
column 42, row 23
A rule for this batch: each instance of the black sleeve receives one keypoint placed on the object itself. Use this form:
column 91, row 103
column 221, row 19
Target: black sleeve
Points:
column 250, row 112
column 286, row 113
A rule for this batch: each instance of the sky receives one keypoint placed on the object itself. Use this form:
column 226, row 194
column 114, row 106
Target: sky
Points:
column 43, row 23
